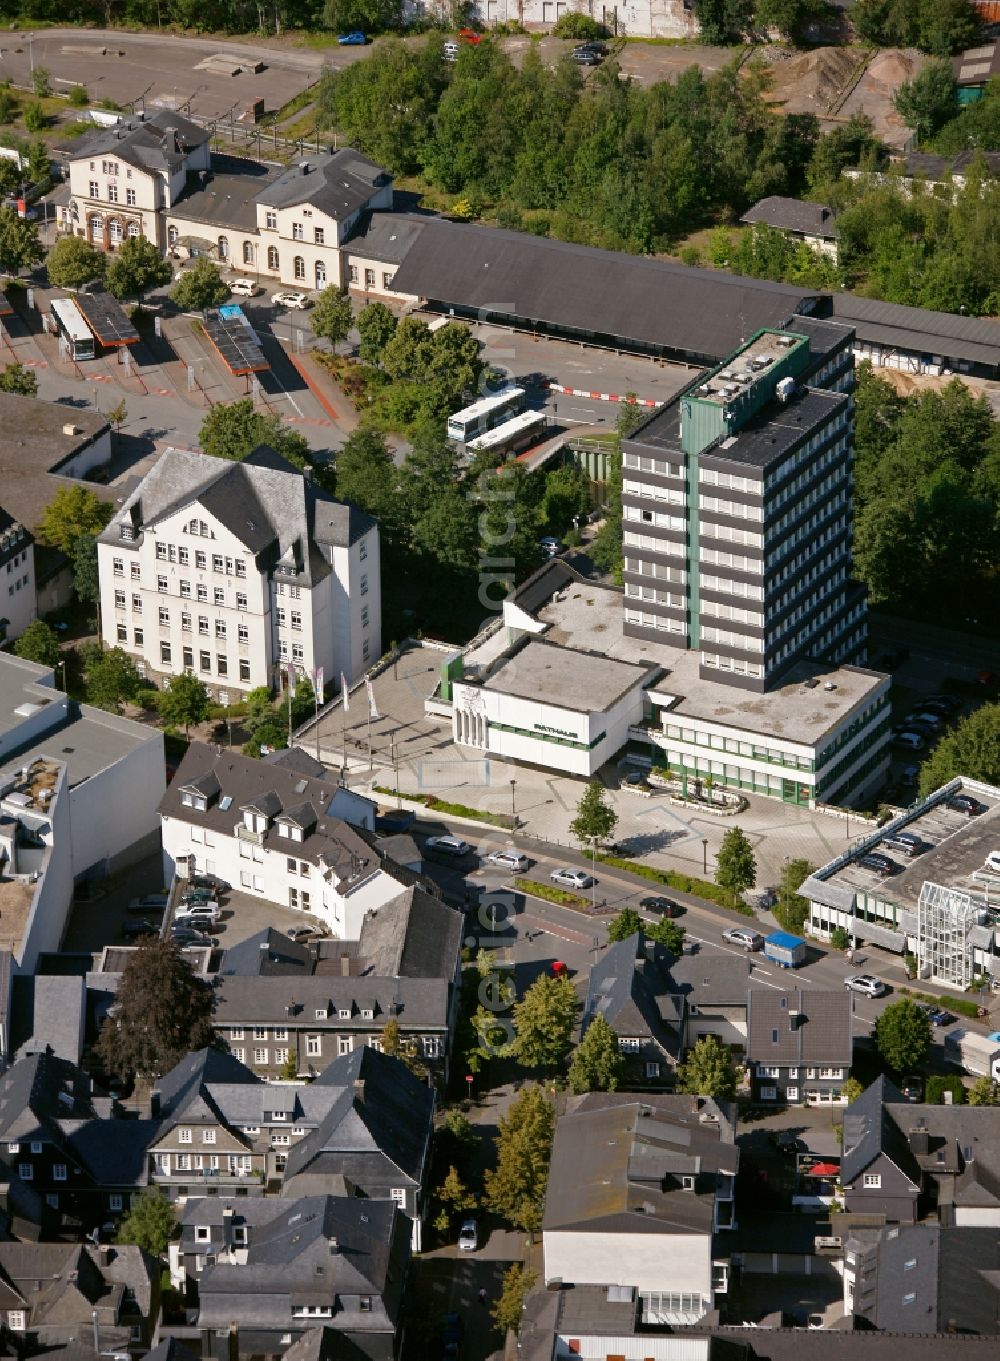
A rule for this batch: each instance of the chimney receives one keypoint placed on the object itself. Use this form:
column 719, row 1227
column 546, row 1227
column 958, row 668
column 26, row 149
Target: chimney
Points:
column 920, row 1142
column 359, row 1089
column 227, row 1213
column 345, row 965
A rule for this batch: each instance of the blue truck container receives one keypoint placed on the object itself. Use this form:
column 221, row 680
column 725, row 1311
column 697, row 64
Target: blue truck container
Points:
column 785, row 950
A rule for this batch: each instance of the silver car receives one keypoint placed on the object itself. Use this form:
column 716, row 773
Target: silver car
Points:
column 509, row 860
column 865, row 983
column 572, row 878
column 748, row 940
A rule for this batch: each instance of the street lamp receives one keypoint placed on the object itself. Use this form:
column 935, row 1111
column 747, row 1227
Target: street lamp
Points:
column 704, row 856
column 513, row 808
column 31, row 56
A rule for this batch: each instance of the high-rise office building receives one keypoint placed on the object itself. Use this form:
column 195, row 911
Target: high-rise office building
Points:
column 737, row 512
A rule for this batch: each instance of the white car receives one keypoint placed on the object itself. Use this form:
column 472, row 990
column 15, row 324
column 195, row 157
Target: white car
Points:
column 453, row 846
column 993, row 862
column 244, row 288
column 550, row 546
column 297, row 302
column 509, row 860
column 865, row 983
column 468, row 1236
column 572, row 878
column 749, row 940
column 197, row 913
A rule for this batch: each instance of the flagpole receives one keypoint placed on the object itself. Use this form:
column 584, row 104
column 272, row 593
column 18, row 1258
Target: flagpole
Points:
column 289, row 711
column 316, row 693
column 371, row 762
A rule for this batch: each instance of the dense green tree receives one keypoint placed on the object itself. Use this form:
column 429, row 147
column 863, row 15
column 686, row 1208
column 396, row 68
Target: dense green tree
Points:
column 34, row 116
column 376, row 326
column 791, row 911
column 597, row 1064
column 185, row 700
column 367, row 477
column 595, row 819
column 200, row 287
column 723, row 21
column 38, row 643
column 111, row 677
column 903, row 1035
column 16, row 378
column 515, row 1188
column 788, row 16
column 985, row 1091
column 235, row 429
column 19, row 243
column 41, row 82
column 508, row 1309
column 370, row 16
column 926, row 102
column 544, row 1021
column 150, row 1223
column 72, row 512
column 971, row 749
column 86, row 579
column 73, row 262
column 137, row 267
column 736, row 868
column 708, row 1070
column 625, row 924
column 668, row 934
column 162, row 1012
column 333, row 315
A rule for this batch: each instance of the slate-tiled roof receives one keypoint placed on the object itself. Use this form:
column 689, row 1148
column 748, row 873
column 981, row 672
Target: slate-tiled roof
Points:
column 711, row 980
column 158, row 144
column 809, row 1026
column 794, row 215
column 629, row 987
column 115, row 1155
column 376, row 1133
column 331, row 844
column 263, row 501
column 869, row 1131
column 617, row 1158
column 585, row 290
column 338, row 184
column 413, row 936
column 417, row 1003
column 203, row 1068
column 268, row 952
column 917, row 328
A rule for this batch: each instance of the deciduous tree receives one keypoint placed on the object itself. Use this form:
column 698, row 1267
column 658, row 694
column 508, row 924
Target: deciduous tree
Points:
column 19, row 243
column 736, row 868
column 73, row 262
column 791, row 911
column 903, row 1035
column 926, row 102
column 137, row 267
column 333, row 315
column 38, row 643
column 86, row 579
column 971, row 749
column 625, row 924
column 709, row 1070
column 515, row 1188
column 185, row 700
column 72, row 512
column 597, row 1064
column 200, row 287
column 150, row 1223
column 111, row 677
column 544, row 1021
column 162, row 1012
column 508, row 1309
column 985, row 1091
column 16, row 378
column 376, row 326
column 595, row 819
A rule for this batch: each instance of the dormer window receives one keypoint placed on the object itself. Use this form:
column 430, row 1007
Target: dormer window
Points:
column 202, row 1233
column 284, row 830
column 344, row 1013
column 127, row 533
column 368, row 1014
column 322, row 1014
column 687, row 1183
column 279, row 1115
column 240, row 1236
column 296, row 833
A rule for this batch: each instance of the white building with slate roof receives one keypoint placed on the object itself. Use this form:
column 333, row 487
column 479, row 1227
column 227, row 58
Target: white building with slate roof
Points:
column 234, row 571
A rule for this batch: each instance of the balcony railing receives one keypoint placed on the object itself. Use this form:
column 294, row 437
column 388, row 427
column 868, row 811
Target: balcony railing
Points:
column 243, row 833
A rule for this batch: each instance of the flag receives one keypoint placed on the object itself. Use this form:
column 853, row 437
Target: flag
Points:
column 372, row 710
column 343, row 691
column 318, row 682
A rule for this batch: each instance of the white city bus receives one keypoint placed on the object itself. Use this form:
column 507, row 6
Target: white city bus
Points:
column 483, row 415
column 69, row 322
column 520, row 432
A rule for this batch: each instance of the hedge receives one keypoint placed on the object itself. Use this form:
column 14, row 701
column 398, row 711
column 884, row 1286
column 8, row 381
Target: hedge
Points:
column 551, row 893
column 457, row 810
column 959, row 1005
column 683, row 883
column 937, row 1086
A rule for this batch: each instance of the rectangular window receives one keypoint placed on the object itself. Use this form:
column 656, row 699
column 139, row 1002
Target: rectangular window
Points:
column 222, row 664
column 872, row 1181
column 314, row 1046
column 271, row 220
column 297, row 231
column 137, row 636
column 364, row 585
column 137, row 604
column 59, row 1172
column 220, row 628
column 183, row 1136
column 186, row 589
column 296, row 619
column 161, row 583
column 219, row 595
column 164, row 616
column 319, row 236
column 205, row 661
column 260, row 1056
column 203, row 625
column 25, row 1171
column 218, row 563
column 202, row 592
column 122, row 633
column 241, row 567
column 244, row 669
column 165, row 653
column 16, row 1320
column 135, row 571
column 161, row 551
column 208, row 1136
column 130, row 197
column 241, row 601
column 95, row 189
column 364, row 617
column 369, row 278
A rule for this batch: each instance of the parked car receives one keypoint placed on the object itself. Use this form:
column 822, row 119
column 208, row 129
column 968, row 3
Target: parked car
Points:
column 965, row 804
column 937, row 1016
column 952, row 703
column 450, row 51
column 294, row 301
column 993, row 862
column 151, row 902
column 468, row 1236
column 589, row 53
column 908, row 848
column 210, row 881
column 194, row 896
column 550, row 546
column 244, row 288
column 663, row 906
column 866, row 983
column 351, row 39
column 740, row 935
column 142, row 927
column 881, row 864
column 908, row 741
column 210, row 911
column 470, row 36
column 573, row 878
column 509, row 860
column 559, row 969
column 925, row 719
column 790, row 1144
column 187, row 935
column 451, row 1334
column 452, row 846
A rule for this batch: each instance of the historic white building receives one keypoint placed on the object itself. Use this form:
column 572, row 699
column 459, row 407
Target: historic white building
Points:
column 234, row 571
column 17, row 578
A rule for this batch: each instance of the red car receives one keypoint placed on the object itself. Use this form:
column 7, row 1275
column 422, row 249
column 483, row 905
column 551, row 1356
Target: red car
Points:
column 558, row 969
column 468, row 35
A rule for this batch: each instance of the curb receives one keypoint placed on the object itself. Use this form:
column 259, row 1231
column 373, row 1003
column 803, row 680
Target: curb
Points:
column 599, row 396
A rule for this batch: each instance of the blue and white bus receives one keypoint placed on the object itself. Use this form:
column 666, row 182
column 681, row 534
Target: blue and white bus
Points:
column 484, row 415
column 69, row 323
column 520, row 432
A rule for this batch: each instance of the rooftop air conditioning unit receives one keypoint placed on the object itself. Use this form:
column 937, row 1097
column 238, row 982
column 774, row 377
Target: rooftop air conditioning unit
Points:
column 785, row 388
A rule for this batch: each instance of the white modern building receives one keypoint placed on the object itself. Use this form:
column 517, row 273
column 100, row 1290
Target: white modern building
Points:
column 638, row 19
column 268, row 831
column 78, row 795
column 17, row 578
column 236, row 571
